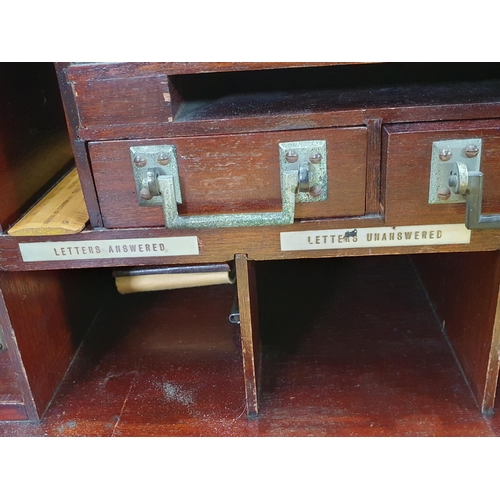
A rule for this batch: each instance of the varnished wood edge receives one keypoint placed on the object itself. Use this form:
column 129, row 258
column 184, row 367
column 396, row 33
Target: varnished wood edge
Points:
column 249, row 332
column 294, row 121
column 15, row 355
column 79, row 146
column 373, row 159
column 488, row 401
column 383, row 169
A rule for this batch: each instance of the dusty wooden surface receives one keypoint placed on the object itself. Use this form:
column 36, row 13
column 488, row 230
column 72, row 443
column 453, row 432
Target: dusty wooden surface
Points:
column 365, row 357
column 316, row 352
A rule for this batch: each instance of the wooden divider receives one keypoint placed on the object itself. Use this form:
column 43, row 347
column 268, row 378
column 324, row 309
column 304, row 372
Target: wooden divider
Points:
column 249, row 327
column 464, row 289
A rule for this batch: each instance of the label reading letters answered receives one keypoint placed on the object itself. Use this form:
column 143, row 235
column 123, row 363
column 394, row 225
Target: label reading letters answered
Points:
column 370, row 237
column 109, row 249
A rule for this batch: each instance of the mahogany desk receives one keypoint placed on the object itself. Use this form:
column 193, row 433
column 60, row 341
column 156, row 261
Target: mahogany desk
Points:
column 246, row 164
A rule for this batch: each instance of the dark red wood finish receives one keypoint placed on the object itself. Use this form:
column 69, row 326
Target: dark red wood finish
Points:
column 46, row 315
column 351, row 347
column 464, row 289
column 133, row 100
column 330, row 365
column 407, row 153
column 249, row 330
column 35, row 149
column 230, row 174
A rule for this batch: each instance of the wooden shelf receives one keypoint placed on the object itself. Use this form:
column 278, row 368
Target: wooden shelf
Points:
column 366, row 356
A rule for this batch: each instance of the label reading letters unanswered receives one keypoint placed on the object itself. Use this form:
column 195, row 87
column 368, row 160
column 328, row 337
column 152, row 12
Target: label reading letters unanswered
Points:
column 109, row 249
column 370, row 237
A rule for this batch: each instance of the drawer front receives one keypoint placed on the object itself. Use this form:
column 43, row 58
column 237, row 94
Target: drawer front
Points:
column 407, row 155
column 124, row 94
column 231, row 174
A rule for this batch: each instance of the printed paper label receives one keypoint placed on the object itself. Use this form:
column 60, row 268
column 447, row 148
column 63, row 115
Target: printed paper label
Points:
column 370, row 237
column 109, row 249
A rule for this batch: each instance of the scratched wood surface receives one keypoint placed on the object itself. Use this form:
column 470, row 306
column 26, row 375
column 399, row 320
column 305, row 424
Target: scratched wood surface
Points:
column 220, row 245
column 230, row 174
column 351, row 347
column 139, row 100
column 249, row 331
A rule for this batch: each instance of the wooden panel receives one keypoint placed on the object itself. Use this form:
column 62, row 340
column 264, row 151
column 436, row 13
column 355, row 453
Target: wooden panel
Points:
column 108, row 70
column 464, row 289
column 407, row 170
column 365, row 357
column 374, row 129
column 49, row 314
column 133, row 100
column 231, row 174
column 218, row 245
column 13, row 412
column 20, row 399
column 79, row 146
column 34, row 143
column 10, row 389
column 11, row 394
column 249, row 329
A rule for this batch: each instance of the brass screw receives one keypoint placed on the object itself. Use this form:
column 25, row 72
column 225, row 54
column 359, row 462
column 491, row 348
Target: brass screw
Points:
column 291, row 156
column 315, row 158
column 471, row 150
column 145, row 194
column 316, row 191
column 443, row 193
column 140, row 161
column 445, row 155
column 163, row 159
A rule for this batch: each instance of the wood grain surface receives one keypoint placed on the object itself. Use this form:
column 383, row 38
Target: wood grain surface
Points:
column 230, row 174
column 407, row 170
column 221, row 245
column 49, row 313
column 249, row 331
column 351, row 347
column 133, row 100
column 34, row 144
column 61, row 211
column 464, row 289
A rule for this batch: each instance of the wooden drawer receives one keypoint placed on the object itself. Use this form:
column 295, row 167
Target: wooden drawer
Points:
column 231, row 174
column 407, row 151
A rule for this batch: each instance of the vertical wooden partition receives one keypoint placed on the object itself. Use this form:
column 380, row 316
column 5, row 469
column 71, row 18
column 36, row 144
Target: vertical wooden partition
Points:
column 464, row 289
column 249, row 327
column 44, row 316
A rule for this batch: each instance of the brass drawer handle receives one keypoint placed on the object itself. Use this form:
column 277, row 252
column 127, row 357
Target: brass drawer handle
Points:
column 173, row 220
column 470, row 185
column 303, row 178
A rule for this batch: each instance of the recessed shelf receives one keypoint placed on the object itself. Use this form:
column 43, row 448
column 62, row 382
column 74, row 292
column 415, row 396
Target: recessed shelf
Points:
column 224, row 95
